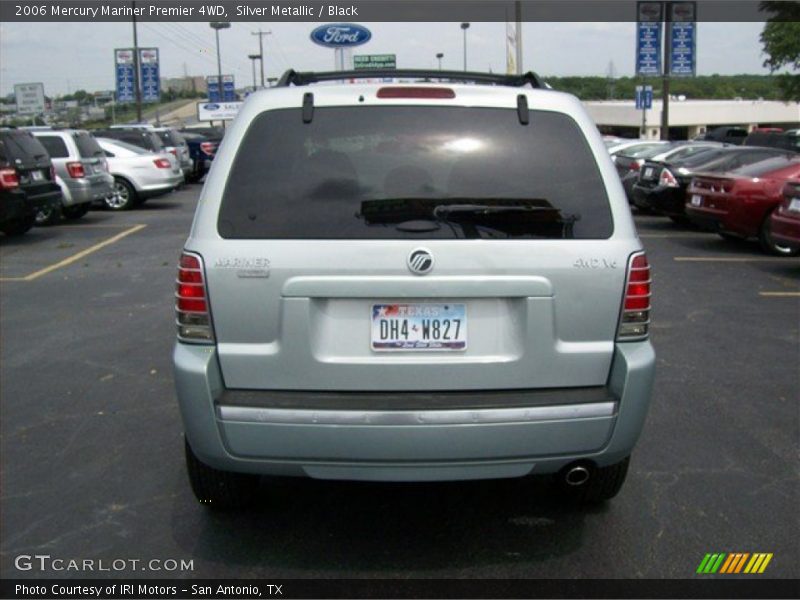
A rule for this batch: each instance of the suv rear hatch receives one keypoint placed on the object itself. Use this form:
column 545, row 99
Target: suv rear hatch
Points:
column 30, row 159
column 318, row 240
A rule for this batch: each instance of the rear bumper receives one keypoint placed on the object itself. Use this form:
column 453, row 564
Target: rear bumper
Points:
column 413, row 444
column 785, row 230
column 81, row 191
column 661, row 199
column 706, row 218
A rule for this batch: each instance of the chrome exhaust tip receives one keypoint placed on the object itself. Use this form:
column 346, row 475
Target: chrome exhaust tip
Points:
column 576, row 476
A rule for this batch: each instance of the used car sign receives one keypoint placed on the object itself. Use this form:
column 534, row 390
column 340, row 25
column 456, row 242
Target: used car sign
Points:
column 339, row 35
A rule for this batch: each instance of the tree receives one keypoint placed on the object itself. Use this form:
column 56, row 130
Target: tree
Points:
column 781, row 40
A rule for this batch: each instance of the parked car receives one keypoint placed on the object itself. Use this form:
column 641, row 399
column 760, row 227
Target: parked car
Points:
column 661, row 187
column 27, row 181
column 784, row 223
column 202, row 149
column 138, row 135
column 785, row 140
column 631, row 158
column 81, row 172
column 175, row 144
column 739, row 203
column 216, row 133
column 138, row 173
column 725, row 134
column 632, row 147
column 350, row 306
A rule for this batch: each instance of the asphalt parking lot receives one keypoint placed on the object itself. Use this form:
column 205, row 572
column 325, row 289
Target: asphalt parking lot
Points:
column 92, row 463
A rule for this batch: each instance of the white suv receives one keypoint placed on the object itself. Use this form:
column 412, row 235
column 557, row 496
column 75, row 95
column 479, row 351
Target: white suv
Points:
column 430, row 280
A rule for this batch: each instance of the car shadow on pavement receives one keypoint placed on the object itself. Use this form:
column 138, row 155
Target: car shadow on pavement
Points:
column 304, row 526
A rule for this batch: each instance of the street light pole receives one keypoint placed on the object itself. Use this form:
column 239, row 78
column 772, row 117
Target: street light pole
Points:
column 440, row 56
column 216, row 26
column 253, row 58
column 464, row 27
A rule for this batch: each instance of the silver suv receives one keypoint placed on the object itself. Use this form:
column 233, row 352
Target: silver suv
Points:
column 81, row 170
column 429, row 280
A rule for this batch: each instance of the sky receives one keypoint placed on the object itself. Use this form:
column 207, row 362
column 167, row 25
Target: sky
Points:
column 71, row 56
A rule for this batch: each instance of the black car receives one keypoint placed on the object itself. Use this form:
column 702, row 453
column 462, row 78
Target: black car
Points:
column 27, row 181
column 138, row 136
column 661, row 187
column 772, row 139
column 725, row 134
column 202, row 148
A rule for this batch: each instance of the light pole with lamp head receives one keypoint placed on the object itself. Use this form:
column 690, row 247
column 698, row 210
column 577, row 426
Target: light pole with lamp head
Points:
column 440, row 56
column 253, row 58
column 464, row 27
column 216, row 26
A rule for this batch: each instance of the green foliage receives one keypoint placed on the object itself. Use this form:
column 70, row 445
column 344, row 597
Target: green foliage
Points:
column 704, row 87
column 781, row 40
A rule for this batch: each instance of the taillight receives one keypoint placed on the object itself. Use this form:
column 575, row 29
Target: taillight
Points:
column 633, row 324
column 9, row 179
column 635, row 165
column 191, row 301
column 208, row 148
column 52, row 173
column 162, row 163
column 174, row 152
column 75, row 170
column 667, row 179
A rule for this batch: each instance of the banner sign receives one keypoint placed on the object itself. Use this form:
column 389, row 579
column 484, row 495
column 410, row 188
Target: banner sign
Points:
column 228, row 89
column 648, row 38
column 683, row 39
column 149, row 74
column 644, row 97
column 124, row 77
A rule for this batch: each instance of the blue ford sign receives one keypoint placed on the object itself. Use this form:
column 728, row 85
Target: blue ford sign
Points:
column 340, row 35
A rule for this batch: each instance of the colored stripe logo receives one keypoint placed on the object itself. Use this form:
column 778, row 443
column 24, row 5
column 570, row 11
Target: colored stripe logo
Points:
column 734, row 563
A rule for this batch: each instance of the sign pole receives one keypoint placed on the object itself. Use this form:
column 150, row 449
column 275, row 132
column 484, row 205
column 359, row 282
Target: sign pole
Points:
column 136, row 88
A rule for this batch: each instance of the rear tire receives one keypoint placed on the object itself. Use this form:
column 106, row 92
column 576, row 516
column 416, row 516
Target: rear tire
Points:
column 604, row 483
column 219, row 490
column 123, row 198
column 48, row 216
column 768, row 243
column 18, row 227
column 75, row 212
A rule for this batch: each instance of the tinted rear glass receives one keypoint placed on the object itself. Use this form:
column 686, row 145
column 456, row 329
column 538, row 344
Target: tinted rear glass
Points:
column 387, row 172
column 87, row 145
column 23, row 146
column 767, row 166
column 642, row 150
column 54, row 145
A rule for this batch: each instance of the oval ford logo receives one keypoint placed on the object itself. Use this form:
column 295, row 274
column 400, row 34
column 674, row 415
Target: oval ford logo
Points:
column 420, row 261
column 211, row 106
column 338, row 35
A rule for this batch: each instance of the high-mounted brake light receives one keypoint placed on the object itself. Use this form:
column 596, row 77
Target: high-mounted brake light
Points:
column 667, row 179
column 76, row 170
column 191, row 301
column 416, row 92
column 162, row 163
column 9, row 180
column 635, row 319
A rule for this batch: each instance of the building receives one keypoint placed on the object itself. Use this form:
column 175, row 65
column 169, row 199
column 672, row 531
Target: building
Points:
column 194, row 84
column 689, row 118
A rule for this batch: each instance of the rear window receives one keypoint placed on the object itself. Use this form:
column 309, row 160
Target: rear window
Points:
column 54, row 145
column 87, row 145
column 22, row 146
column 130, row 147
column 414, row 173
column 767, row 166
column 169, row 138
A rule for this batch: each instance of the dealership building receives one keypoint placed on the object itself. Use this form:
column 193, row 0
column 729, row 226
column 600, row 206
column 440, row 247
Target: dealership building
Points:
column 689, row 118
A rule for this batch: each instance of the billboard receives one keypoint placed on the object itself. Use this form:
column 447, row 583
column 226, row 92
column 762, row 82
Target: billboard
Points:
column 30, row 98
column 217, row 111
column 124, row 76
column 149, row 74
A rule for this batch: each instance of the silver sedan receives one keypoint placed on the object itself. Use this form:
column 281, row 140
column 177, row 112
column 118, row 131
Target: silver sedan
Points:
column 138, row 173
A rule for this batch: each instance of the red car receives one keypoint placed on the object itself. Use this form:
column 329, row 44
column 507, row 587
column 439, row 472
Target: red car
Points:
column 784, row 224
column 739, row 204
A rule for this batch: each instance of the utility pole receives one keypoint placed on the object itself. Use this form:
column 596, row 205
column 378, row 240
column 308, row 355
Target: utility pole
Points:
column 464, row 27
column 136, row 68
column 665, row 79
column 261, row 35
column 519, row 36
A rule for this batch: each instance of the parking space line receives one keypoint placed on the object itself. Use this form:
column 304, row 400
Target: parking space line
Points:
column 93, row 226
column 779, row 294
column 75, row 257
column 729, row 259
column 673, row 235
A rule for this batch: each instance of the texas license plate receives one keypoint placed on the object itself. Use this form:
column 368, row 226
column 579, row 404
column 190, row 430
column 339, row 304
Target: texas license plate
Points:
column 794, row 204
column 648, row 172
column 419, row 327
column 697, row 200
column 37, row 175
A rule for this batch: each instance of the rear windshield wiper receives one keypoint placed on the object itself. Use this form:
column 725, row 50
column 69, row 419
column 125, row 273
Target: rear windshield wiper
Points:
column 443, row 210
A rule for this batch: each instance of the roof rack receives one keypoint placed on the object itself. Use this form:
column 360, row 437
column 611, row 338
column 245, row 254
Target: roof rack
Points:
column 292, row 77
